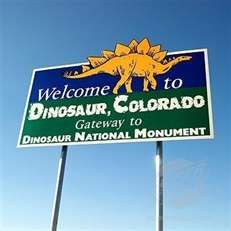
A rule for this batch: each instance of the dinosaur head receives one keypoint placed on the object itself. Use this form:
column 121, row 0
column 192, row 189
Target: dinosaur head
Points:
column 184, row 58
column 164, row 66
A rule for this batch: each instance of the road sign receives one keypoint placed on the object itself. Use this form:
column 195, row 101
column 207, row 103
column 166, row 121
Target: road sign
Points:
column 135, row 93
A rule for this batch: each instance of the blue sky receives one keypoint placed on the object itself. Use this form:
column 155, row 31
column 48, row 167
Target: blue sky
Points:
column 111, row 187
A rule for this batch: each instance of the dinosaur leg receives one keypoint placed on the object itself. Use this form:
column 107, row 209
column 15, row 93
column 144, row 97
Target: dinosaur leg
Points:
column 146, row 83
column 125, row 74
column 152, row 81
column 128, row 85
column 120, row 83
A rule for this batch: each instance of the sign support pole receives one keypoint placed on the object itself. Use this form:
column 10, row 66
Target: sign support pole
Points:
column 159, row 185
column 58, row 190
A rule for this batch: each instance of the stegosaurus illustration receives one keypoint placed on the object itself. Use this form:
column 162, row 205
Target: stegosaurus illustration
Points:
column 135, row 60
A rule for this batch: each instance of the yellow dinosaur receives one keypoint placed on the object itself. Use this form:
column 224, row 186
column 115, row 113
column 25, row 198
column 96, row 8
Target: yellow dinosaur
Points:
column 136, row 59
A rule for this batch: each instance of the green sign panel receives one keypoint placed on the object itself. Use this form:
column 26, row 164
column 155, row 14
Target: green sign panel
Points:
column 135, row 93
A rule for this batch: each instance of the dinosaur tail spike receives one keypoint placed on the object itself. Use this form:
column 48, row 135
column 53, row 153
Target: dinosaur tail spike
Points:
column 85, row 74
column 165, row 61
column 85, row 68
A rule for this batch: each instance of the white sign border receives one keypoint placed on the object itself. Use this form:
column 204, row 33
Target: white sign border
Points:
column 211, row 136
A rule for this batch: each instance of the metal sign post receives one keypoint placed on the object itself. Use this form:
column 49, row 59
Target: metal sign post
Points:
column 159, row 185
column 58, row 191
